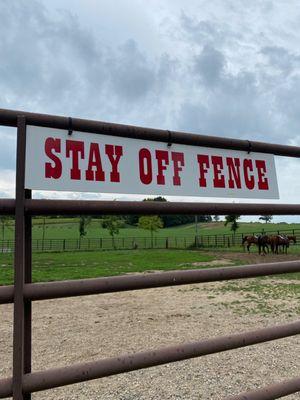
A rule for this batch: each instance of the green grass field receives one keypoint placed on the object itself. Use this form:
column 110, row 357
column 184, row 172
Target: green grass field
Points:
column 67, row 228
column 69, row 265
column 64, row 266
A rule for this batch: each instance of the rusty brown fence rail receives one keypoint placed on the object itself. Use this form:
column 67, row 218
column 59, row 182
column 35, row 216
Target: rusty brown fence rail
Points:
column 56, row 377
column 23, row 292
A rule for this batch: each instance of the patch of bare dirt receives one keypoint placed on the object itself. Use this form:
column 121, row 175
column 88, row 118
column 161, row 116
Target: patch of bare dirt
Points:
column 254, row 258
column 214, row 263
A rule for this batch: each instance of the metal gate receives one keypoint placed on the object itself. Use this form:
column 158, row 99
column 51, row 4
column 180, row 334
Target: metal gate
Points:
column 23, row 292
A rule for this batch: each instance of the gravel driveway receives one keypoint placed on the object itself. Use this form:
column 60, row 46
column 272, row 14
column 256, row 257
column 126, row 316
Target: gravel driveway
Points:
column 74, row 330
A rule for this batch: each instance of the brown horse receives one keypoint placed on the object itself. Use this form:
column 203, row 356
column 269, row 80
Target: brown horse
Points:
column 279, row 240
column 261, row 241
column 250, row 240
column 292, row 239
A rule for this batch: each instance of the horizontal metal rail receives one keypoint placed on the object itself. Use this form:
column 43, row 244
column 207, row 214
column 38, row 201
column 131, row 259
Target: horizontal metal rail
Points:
column 6, row 294
column 7, row 206
column 91, row 207
column 9, row 118
column 270, row 392
column 81, row 287
column 51, row 207
column 48, row 379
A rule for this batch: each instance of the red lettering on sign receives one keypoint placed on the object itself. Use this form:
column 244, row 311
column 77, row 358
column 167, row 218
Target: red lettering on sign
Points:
column 145, row 164
column 162, row 157
column 219, row 180
column 74, row 149
column 94, row 171
column 114, row 154
column 203, row 162
column 99, row 162
column 263, row 183
column 53, row 171
column 178, row 163
column 233, row 165
column 249, row 179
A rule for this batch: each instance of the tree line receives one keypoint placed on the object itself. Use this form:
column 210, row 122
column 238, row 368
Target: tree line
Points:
column 167, row 220
column 232, row 220
column 150, row 223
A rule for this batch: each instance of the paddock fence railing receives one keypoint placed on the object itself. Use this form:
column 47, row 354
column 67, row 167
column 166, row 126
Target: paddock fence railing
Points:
column 24, row 381
column 143, row 242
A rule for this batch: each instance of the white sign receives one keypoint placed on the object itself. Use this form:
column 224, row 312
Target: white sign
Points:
column 86, row 162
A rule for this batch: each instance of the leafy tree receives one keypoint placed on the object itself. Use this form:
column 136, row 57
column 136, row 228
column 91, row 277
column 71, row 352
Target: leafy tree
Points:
column 266, row 218
column 83, row 224
column 232, row 219
column 168, row 220
column 113, row 224
column 151, row 223
column 158, row 198
column 175, row 220
column 131, row 219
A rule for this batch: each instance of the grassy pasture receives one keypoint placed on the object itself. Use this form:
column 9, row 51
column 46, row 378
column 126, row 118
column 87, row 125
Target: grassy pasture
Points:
column 76, row 265
column 72, row 265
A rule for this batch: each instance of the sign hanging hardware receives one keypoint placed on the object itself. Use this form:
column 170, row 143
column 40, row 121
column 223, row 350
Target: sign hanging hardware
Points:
column 249, row 146
column 70, row 129
column 169, row 138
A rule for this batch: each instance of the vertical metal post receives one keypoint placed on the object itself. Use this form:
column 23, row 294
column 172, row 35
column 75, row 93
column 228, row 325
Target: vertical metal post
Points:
column 27, row 303
column 22, row 309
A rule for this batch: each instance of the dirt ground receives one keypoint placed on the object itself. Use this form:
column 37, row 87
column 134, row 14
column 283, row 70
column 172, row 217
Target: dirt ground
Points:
column 69, row 331
column 253, row 257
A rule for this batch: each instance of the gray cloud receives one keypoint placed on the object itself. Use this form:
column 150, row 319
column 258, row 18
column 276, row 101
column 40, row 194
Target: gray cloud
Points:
column 210, row 65
column 281, row 59
column 51, row 63
column 206, row 31
column 256, row 97
column 132, row 76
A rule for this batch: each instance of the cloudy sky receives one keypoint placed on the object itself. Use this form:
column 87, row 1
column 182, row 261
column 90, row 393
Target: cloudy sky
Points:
column 224, row 67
